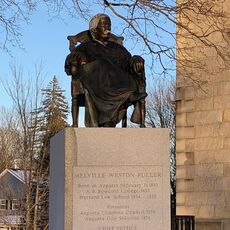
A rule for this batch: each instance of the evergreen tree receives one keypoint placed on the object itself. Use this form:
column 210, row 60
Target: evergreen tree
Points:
column 54, row 112
column 50, row 118
column 55, row 108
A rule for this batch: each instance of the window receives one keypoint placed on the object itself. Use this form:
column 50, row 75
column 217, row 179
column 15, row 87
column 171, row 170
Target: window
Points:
column 15, row 205
column 3, row 204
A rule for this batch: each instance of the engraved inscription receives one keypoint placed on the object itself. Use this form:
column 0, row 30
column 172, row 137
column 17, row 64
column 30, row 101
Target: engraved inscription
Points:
column 118, row 198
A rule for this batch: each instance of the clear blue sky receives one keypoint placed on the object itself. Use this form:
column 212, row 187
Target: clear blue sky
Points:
column 45, row 41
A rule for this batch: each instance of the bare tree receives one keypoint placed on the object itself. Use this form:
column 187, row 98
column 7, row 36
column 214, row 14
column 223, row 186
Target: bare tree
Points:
column 37, row 121
column 156, row 24
column 10, row 137
column 25, row 98
column 14, row 15
column 153, row 24
column 161, row 113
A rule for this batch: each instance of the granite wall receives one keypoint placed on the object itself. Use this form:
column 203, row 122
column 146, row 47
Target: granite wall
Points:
column 203, row 132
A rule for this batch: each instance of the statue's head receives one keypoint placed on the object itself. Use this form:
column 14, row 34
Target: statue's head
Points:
column 100, row 27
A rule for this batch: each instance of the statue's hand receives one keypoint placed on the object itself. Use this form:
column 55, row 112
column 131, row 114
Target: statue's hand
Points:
column 74, row 61
column 74, row 71
column 81, row 59
column 137, row 63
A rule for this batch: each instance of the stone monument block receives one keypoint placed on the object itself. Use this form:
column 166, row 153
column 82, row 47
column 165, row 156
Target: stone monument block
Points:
column 110, row 179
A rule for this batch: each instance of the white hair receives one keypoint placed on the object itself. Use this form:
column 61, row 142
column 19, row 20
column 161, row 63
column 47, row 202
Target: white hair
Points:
column 95, row 20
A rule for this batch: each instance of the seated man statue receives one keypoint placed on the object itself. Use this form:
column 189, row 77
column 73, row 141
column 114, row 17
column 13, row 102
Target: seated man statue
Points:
column 111, row 78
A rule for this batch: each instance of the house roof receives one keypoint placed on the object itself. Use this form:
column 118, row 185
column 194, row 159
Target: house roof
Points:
column 12, row 219
column 18, row 173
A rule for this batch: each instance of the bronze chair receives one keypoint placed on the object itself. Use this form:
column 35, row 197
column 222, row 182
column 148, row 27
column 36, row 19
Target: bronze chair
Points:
column 77, row 90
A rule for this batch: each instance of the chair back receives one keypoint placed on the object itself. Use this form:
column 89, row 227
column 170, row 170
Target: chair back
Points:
column 85, row 36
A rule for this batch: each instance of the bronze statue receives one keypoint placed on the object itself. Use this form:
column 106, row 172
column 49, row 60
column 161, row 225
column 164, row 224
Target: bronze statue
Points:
column 106, row 79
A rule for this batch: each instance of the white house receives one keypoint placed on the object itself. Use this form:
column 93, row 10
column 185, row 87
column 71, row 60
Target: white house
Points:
column 12, row 187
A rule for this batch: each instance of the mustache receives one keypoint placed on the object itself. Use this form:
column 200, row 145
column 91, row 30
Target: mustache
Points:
column 107, row 32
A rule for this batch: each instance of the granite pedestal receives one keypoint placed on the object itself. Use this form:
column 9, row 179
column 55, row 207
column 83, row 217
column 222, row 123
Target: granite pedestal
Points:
column 109, row 179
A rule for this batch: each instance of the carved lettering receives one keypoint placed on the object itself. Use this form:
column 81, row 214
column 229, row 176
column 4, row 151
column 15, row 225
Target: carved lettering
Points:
column 111, row 197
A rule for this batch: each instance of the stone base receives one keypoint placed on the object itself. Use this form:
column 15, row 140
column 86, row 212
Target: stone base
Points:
column 109, row 179
column 202, row 224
